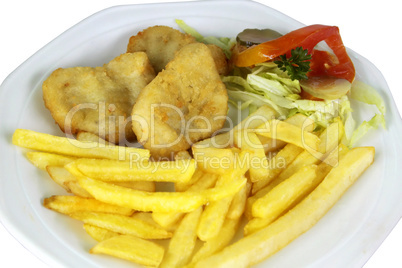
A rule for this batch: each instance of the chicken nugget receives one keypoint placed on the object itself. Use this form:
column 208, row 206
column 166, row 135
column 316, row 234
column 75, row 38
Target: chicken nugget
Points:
column 100, row 99
column 220, row 59
column 162, row 42
column 185, row 103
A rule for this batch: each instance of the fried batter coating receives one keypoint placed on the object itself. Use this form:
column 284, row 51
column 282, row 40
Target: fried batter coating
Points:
column 162, row 42
column 185, row 103
column 98, row 100
column 220, row 59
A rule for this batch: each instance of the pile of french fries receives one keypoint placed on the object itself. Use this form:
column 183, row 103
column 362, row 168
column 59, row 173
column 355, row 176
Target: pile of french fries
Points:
column 270, row 180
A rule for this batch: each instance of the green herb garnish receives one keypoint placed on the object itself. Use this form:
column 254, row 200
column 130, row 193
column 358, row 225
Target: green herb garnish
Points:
column 297, row 66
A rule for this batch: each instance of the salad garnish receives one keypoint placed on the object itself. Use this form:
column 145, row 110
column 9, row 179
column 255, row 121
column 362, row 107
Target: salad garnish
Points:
column 297, row 65
column 274, row 73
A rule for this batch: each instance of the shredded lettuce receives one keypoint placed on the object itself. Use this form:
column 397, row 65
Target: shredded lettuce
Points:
column 347, row 118
column 265, row 87
column 365, row 127
column 257, row 90
column 225, row 43
column 237, row 96
column 368, row 95
column 190, row 30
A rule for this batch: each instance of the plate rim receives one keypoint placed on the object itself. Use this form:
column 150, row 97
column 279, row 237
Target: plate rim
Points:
column 4, row 220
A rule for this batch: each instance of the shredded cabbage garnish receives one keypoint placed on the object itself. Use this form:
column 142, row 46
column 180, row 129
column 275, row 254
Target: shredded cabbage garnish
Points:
column 224, row 43
column 367, row 94
column 266, row 84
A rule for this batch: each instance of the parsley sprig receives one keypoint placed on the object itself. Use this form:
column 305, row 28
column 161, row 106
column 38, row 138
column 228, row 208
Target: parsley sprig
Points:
column 297, row 66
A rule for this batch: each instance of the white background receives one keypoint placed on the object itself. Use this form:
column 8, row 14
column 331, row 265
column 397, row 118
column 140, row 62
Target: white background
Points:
column 371, row 28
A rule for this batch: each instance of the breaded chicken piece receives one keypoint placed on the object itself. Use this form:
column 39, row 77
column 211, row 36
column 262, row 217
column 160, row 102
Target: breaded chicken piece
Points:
column 220, row 59
column 98, row 100
column 185, row 103
column 162, row 42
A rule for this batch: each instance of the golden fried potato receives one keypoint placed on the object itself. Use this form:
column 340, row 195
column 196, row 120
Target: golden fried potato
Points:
column 131, row 248
column 301, row 218
column 68, row 204
column 162, row 42
column 43, row 159
column 98, row 100
column 183, row 242
column 185, row 103
column 98, row 233
column 73, row 148
column 122, row 224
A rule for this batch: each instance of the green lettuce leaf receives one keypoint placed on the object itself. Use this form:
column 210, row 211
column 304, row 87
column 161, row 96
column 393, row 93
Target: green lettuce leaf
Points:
column 225, row 43
column 367, row 94
column 365, row 127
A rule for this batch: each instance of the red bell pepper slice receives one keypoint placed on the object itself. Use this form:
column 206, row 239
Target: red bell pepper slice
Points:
column 322, row 63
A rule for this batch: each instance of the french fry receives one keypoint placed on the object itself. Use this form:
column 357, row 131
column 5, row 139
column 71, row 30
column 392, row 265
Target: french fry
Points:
column 147, row 186
column 71, row 147
column 305, row 158
column 208, row 180
column 228, row 230
column 329, row 140
column 212, row 218
column 303, row 122
column 75, row 188
column 158, row 201
column 258, row 161
column 298, row 220
column 238, row 204
column 182, row 244
column 183, row 186
column 68, row 204
column 122, row 224
column 167, row 220
column 112, row 170
column 230, row 189
column 214, row 213
column 61, row 176
column 214, row 160
column 269, row 207
column 323, row 169
column 140, row 200
column 98, row 233
column 66, row 180
column 280, row 130
column 277, row 164
column 147, row 217
column 217, row 243
column 225, row 140
column 260, row 116
column 42, row 160
column 251, row 199
column 131, row 248
column 281, row 197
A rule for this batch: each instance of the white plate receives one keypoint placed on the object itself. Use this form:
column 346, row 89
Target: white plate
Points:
column 346, row 236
